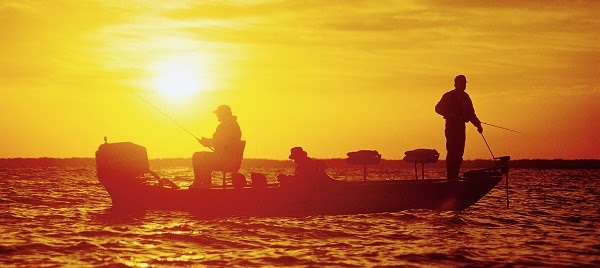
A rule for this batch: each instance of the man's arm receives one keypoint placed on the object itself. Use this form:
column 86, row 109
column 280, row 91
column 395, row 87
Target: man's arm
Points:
column 226, row 134
column 211, row 142
column 443, row 108
column 472, row 116
column 206, row 142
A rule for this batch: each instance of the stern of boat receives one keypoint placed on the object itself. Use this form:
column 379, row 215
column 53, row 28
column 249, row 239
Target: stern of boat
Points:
column 119, row 167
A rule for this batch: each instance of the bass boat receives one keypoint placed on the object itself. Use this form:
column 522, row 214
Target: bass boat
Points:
column 123, row 170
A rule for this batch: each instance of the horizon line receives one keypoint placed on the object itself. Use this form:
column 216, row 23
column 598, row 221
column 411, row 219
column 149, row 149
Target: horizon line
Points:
column 272, row 159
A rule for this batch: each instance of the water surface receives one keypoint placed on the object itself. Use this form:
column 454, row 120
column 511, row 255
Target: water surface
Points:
column 63, row 216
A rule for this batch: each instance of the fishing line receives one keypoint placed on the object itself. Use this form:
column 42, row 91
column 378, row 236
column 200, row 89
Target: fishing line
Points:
column 163, row 113
column 502, row 128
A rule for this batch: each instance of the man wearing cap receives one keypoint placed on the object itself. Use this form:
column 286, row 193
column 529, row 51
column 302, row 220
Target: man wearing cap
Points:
column 457, row 108
column 227, row 135
column 308, row 171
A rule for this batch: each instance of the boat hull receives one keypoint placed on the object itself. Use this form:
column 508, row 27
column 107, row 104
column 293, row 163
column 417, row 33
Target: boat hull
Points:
column 296, row 200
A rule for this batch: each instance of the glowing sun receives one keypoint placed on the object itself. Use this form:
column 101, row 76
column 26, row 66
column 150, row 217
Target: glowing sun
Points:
column 178, row 78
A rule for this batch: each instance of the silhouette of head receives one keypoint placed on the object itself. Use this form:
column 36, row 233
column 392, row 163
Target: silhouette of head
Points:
column 460, row 82
column 222, row 112
column 297, row 153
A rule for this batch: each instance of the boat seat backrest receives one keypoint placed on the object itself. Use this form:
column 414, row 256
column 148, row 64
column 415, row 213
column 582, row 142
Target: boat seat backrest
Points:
column 422, row 156
column 233, row 160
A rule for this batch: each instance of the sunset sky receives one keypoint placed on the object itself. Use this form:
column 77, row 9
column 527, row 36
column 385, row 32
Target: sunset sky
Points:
column 330, row 76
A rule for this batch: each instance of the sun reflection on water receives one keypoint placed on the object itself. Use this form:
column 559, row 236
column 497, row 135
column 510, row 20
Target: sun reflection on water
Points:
column 71, row 224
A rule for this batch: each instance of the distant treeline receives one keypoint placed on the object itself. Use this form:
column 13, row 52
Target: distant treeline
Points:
column 479, row 163
column 332, row 163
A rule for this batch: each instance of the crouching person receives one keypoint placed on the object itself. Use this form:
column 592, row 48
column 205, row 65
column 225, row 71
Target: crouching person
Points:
column 308, row 171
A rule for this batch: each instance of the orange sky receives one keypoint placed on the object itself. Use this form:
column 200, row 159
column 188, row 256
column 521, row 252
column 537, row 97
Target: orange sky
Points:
column 331, row 76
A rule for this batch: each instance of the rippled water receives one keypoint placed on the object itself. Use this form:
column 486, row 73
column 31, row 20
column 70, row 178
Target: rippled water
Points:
column 63, row 216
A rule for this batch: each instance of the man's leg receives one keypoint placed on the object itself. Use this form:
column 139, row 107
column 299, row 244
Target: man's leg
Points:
column 455, row 145
column 202, row 163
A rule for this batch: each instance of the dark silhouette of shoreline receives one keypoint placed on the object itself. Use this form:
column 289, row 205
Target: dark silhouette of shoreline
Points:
column 331, row 163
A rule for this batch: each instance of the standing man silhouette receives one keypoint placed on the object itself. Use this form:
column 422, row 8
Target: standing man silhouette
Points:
column 457, row 108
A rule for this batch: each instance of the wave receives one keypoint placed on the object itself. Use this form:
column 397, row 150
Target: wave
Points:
column 50, row 213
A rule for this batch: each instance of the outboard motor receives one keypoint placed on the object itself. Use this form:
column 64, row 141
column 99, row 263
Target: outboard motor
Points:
column 121, row 161
column 121, row 168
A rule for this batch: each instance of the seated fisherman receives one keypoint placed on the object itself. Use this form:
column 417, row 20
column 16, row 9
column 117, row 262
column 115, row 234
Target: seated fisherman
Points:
column 223, row 141
column 308, row 170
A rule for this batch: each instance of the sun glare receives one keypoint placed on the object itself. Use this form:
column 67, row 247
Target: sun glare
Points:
column 178, row 78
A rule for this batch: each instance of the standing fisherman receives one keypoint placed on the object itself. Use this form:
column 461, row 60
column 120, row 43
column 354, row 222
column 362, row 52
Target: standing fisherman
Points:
column 457, row 108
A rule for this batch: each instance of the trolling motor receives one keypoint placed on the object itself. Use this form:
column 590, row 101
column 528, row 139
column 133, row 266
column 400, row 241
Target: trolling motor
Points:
column 502, row 164
column 501, row 167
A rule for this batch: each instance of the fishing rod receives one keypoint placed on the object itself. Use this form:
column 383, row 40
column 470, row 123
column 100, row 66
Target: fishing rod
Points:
column 166, row 115
column 501, row 128
column 488, row 146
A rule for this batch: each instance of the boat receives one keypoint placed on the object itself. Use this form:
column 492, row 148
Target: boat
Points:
column 123, row 170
